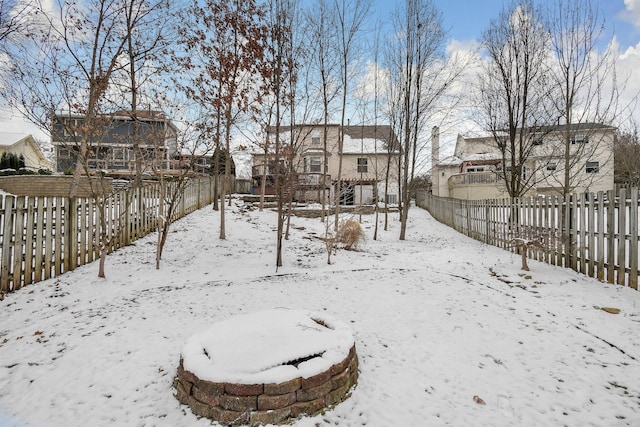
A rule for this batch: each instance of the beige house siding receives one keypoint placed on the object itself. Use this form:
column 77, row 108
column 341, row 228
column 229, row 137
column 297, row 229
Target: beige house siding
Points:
column 364, row 146
column 590, row 168
column 27, row 147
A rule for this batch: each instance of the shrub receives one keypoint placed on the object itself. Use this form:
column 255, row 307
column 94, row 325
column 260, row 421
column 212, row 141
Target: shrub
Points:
column 350, row 234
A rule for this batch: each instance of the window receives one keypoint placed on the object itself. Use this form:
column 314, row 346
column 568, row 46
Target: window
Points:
column 474, row 169
column 522, row 171
column 592, row 167
column 315, row 164
column 64, row 153
column 118, row 157
column 579, row 139
column 362, row 164
column 551, row 166
column 392, row 199
column 70, row 127
column 315, row 137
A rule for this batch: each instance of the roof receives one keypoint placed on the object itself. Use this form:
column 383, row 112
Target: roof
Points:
column 482, row 157
column 548, row 129
column 574, row 127
column 141, row 115
column 358, row 138
column 450, row 161
column 7, row 139
column 13, row 140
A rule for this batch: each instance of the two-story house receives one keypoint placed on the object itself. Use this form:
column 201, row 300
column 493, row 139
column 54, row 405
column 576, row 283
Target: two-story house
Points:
column 111, row 142
column 369, row 162
column 475, row 170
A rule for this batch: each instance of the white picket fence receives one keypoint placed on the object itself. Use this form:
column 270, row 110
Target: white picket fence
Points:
column 600, row 238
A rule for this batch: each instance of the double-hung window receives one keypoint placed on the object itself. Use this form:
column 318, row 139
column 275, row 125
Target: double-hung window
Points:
column 363, row 165
column 592, row 167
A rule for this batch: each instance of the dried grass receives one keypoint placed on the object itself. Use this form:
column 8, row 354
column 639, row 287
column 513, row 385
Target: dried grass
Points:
column 350, row 234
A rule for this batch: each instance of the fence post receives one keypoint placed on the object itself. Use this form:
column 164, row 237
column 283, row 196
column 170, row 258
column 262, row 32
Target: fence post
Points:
column 18, row 243
column 71, row 234
column 633, row 240
column 7, row 237
column 622, row 236
column 601, row 237
column 611, row 234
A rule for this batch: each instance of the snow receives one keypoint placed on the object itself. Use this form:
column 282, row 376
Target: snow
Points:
column 243, row 160
column 363, row 145
column 450, row 161
column 252, row 348
column 438, row 320
column 482, row 157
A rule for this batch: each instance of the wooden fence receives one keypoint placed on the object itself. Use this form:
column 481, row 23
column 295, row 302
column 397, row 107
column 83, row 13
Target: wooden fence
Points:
column 595, row 234
column 42, row 237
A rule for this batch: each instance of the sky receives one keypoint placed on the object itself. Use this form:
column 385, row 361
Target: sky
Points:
column 465, row 21
column 448, row 330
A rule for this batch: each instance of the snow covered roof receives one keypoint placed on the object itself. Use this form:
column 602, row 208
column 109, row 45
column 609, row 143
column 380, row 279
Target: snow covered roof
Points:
column 363, row 146
column 450, row 161
column 7, row 139
column 243, row 159
column 482, row 157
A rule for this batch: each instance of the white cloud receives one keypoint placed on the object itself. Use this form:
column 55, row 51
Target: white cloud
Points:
column 632, row 12
column 628, row 64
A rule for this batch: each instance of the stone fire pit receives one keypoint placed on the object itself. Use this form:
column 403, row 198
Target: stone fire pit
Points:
column 267, row 367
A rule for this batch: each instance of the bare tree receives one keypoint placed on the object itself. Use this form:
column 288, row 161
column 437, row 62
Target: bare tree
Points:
column 323, row 40
column 350, row 16
column 280, row 79
column 224, row 43
column 514, row 90
column 194, row 148
column 627, row 158
column 420, row 76
column 67, row 70
column 584, row 86
column 15, row 23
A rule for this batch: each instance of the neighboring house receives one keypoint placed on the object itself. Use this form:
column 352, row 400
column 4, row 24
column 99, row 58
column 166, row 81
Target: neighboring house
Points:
column 368, row 152
column 474, row 171
column 111, row 147
column 26, row 147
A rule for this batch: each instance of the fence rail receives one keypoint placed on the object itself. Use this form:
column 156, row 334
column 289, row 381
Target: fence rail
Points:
column 595, row 234
column 42, row 237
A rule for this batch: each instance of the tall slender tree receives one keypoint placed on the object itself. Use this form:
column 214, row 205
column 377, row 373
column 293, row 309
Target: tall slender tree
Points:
column 420, row 77
column 350, row 17
column 585, row 87
column 280, row 78
column 514, row 90
column 323, row 39
column 224, row 44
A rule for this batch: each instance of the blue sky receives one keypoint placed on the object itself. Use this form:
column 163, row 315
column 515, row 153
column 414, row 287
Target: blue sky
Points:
column 467, row 19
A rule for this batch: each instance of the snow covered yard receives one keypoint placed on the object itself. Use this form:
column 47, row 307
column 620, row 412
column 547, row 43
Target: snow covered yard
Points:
column 448, row 331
